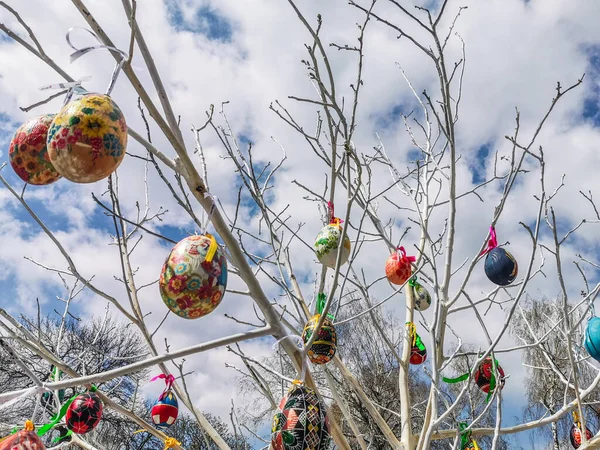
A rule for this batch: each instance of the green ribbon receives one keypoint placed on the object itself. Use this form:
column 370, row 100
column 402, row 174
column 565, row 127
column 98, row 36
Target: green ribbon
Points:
column 419, row 343
column 465, row 436
column 466, row 376
column 413, row 281
column 321, row 300
column 57, row 418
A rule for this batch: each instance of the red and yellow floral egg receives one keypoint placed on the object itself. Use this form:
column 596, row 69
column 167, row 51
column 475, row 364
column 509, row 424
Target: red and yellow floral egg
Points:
column 84, row 413
column 28, row 153
column 192, row 281
column 88, row 138
column 398, row 269
column 22, row 440
column 327, row 243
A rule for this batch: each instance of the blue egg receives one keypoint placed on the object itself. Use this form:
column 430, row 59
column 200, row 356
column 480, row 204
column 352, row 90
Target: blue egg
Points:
column 501, row 267
column 591, row 341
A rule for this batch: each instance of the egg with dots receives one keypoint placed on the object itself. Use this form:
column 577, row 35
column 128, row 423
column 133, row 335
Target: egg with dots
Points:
column 84, row 413
column 28, row 152
column 87, row 139
column 397, row 268
column 26, row 439
column 194, row 277
column 300, row 422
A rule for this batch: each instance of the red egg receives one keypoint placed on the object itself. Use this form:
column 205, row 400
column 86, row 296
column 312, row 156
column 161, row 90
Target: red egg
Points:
column 84, row 413
column 417, row 356
column 398, row 269
column 483, row 376
column 22, row 440
column 28, row 153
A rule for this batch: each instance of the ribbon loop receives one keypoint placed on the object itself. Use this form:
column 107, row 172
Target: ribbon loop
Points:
column 79, row 52
column 492, row 243
column 169, row 380
column 403, row 256
column 412, row 332
column 171, row 442
column 332, row 219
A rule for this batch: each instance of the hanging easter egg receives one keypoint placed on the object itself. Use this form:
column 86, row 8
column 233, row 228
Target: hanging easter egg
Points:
column 87, row 139
column 575, row 435
column 421, row 296
column 323, row 347
column 501, row 267
column 26, row 439
column 165, row 410
column 418, row 355
column 28, row 152
column 300, row 422
column 398, row 268
column 591, row 341
column 484, row 374
column 194, row 277
column 327, row 244
column 84, row 413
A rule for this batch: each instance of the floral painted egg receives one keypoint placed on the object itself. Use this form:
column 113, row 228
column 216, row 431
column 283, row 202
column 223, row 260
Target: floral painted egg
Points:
column 591, row 341
column 327, row 243
column 28, row 153
column 165, row 410
column 194, row 277
column 483, row 376
column 398, row 268
column 84, row 413
column 300, row 422
column 500, row 266
column 575, row 435
column 421, row 297
column 323, row 347
column 88, row 138
column 22, row 440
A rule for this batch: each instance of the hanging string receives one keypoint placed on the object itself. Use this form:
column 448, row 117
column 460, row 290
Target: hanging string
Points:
column 212, row 249
column 402, row 255
column 332, row 219
column 170, row 443
column 299, row 343
column 169, row 380
column 492, row 243
column 412, row 332
column 74, row 87
column 320, row 306
column 465, row 437
column 79, row 52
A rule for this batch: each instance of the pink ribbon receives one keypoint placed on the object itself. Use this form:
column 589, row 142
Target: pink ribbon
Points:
column 492, row 243
column 404, row 257
column 169, row 380
column 332, row 218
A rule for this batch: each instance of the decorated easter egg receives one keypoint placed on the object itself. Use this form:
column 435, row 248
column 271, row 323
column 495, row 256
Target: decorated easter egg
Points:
column 165, row 410
column 194, row 277
column 418, row 355
column 421, row 297
column 84, row 413
column 88, row 138
column 28, row 153
column 398, row 269
column 323, row 347
column 500, row 266
column 300, row 422
column 591, row 341
column 327, row 243
column 483, row 375
column 575, row 435
column 22, row 440
column 471, row 445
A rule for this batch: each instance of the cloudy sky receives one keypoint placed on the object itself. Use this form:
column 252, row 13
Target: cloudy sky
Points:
column 249, row 53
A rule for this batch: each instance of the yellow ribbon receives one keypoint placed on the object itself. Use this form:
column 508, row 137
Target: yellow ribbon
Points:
column 212, row 249
column 297, row 382
column 171, row 442
column 475, row 446
column 412, row 332
column 336, row 222
column 29, row 426
column 576, row 419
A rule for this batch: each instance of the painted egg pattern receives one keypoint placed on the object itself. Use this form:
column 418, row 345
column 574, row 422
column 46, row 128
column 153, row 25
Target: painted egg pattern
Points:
column 417, row 356
column 398, row 269
column 327, row 243
column 23, row 440
column 84, row 413
column 591, row 341
column 28, row 152
column 500, row 266
column 189, row 285
column 575, row 436
column 421, row 297
column 300, row 422
column 88, row 138
column 165, row 410
column 483, row 375
column 324, row 346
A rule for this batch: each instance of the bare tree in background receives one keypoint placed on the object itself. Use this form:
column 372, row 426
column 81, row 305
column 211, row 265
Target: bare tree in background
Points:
column 378, row 400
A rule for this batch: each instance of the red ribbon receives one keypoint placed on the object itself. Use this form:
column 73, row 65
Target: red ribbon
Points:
column 492, row 243
column 332, row 219
column 169, row 380
column 404, row 257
